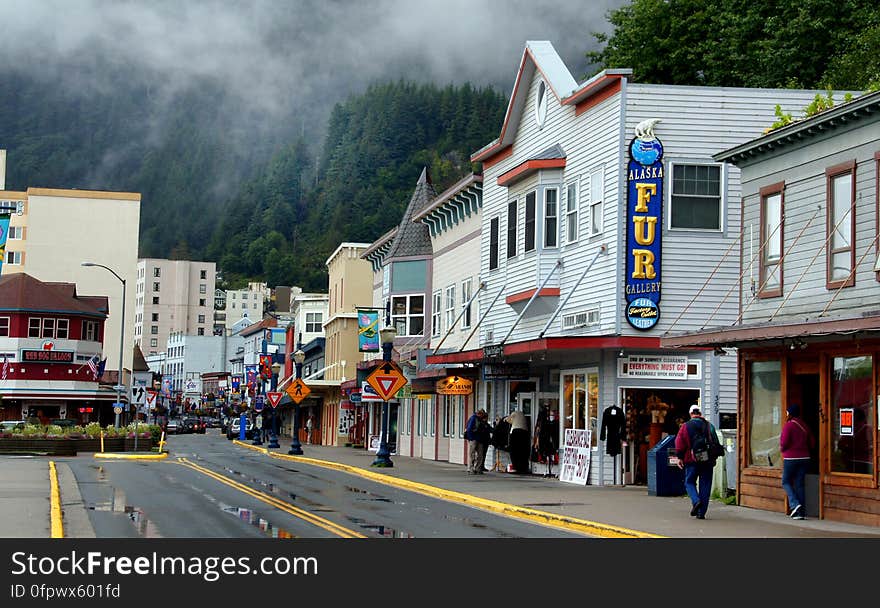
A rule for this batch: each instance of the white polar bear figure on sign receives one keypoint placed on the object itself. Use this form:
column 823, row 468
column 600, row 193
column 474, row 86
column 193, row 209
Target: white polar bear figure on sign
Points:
column 645, row 129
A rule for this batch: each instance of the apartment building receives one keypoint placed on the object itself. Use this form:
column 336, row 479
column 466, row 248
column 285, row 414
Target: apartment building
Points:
column 172, row 297
column 53, row 231
column 247, row 303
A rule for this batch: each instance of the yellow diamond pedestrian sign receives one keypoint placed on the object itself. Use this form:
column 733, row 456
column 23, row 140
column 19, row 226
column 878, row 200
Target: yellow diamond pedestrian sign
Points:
column 387, row 379
column 298, row 390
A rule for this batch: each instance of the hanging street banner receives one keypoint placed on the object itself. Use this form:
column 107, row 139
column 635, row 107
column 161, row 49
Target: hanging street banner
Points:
column 265, row 366
column 368, row 330
column 575, row 464
column 644, row 227
column 250, row 375
column 4, row 233
column 386, row 378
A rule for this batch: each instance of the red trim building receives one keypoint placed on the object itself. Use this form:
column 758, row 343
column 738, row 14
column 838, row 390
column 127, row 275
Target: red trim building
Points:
column 48, row 336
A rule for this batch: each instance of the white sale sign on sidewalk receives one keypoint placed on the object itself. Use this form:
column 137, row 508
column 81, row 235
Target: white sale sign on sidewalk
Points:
column 575, row 465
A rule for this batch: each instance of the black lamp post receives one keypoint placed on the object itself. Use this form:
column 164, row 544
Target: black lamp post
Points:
column 383, row 456
column 273, row 433
column 295, row 447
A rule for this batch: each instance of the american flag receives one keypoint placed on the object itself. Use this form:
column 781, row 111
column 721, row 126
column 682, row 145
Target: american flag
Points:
column 5, row 366
column 92, row 363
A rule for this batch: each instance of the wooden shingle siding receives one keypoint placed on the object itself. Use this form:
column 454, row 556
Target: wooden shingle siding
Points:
column 804, row 247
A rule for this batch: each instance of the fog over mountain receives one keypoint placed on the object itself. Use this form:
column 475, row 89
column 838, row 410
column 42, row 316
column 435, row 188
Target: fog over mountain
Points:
column 280, row 55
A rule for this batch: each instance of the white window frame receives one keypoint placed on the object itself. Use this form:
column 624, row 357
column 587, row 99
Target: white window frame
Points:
column 13, row 258
column 527, row 245
column 597, row 201
column 436, row 314
column 16, row 233
column 449, row 305
column 722, row 191
column 571, row 212
column 554, row 217
column 35, row 327
column 467, row 291
column 314, row 322
column 4, row 326
column 408, row 316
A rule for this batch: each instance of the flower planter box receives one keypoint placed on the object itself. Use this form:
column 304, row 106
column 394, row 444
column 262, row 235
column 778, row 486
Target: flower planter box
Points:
column 49, row 447
column 88, row 445
column 113, row 444
column 144, row 444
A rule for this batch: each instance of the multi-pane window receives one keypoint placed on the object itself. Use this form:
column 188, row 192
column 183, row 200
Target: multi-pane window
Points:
column 511, row 229
column 48, row 328
column 449, row 307
column 16, row 232
column 62, row 329
column 13, row 258
column 203, row 288
column 203, row 274
column 466, row 294
column 90, row 331
column 771, row 239
column 571, row 213
column 154, row 329
column 155, row 286
column 580, row 401
column 4, row 326
column 597, row 196
column 35, row 325
column 696, row 197
column 841, row 225
column 155, row 299
column 529, row 228
column 436, row 314
column 155, row 317
column 202, row 302
column 154, row 342
column 201, row 318
column 551, row 217
column 313, row 322
column 156, row 272
column 201, row 331
column 408, row 314
column 493, row 243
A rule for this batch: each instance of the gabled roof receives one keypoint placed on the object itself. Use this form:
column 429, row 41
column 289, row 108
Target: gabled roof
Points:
column 540, row 55
column 260, row 325
column 20, row 292
column 413, row 238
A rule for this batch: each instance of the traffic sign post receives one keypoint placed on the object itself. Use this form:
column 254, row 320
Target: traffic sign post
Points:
column 386, row 379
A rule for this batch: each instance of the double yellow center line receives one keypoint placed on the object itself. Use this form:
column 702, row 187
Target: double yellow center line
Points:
column 311, row 518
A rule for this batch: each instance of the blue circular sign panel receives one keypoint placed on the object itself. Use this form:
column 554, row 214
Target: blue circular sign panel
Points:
column 643, row 313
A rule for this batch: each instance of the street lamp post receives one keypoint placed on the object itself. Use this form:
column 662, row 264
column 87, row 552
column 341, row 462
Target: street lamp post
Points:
column 383, row 456
column 273, row 432
column 295, row 446
column 121, row 335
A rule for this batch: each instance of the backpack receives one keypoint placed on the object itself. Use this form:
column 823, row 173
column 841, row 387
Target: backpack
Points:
column 705, row 446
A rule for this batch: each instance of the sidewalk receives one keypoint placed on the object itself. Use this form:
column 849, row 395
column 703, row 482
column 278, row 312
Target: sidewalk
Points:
column 627, row 507
column 24, row 497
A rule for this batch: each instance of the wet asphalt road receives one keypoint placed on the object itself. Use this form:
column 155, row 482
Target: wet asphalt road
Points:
column 189, row 496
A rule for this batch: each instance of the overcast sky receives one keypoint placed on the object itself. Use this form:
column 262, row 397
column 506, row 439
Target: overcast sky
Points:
column 302, row 51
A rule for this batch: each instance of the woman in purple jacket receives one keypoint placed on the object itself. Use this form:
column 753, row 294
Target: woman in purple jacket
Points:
column 795, row 443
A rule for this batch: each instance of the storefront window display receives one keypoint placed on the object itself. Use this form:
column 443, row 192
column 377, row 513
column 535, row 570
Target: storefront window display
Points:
column 852, row 415
column 765, row 409
column 580, row 401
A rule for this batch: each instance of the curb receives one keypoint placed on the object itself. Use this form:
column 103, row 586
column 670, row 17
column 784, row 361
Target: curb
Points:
column 121, row 456
column 74, row 512
column 542, row 517
column 250, row 446
column 56, row 523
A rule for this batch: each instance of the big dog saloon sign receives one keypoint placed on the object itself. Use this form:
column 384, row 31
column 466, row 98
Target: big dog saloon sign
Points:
column 644, row 216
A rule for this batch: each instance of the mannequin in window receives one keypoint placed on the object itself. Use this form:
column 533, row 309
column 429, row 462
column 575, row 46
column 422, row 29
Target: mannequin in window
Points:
column 613, row 429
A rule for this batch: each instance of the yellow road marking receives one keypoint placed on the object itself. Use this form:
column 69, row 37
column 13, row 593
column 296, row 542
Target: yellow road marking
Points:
column 313, row 519
column 124, row 456
column 546, row 518
column 56, row 521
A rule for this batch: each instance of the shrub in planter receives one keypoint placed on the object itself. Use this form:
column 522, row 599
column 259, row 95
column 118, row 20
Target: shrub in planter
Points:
column 93, row 430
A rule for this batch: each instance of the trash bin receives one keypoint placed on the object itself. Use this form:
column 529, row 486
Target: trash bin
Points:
column 664, row 478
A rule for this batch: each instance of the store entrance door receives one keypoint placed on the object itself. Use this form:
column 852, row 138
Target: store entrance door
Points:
column 803, row 388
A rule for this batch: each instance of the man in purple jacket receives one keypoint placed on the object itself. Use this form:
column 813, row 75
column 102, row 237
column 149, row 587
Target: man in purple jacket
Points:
column 795, row 443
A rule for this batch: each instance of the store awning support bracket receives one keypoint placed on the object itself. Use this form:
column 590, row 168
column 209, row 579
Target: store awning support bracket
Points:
column 602, row 249
column 483, row 317
column 464, row 309
column 532, row 299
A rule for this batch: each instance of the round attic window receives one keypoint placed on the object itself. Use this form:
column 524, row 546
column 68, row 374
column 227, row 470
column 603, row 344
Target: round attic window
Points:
column 541, row 105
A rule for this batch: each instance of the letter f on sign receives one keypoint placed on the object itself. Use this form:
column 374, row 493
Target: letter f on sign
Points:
column 644, row 196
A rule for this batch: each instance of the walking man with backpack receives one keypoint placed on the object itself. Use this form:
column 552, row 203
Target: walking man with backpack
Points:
column 696, row 443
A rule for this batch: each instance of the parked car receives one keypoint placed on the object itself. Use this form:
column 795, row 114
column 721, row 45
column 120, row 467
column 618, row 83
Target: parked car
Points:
column 173, row 427
column 234, row 429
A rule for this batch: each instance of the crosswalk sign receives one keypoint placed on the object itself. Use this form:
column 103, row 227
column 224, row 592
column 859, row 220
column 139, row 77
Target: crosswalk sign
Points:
column 386, row 378
column 298, row 390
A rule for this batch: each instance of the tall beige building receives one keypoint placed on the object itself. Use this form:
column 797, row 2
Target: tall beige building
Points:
column 172, row 296
column 53, row 231
column 247, row 303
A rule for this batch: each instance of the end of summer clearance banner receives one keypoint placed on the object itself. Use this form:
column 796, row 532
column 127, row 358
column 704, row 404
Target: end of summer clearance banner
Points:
column 368, row 331
column 644, row 204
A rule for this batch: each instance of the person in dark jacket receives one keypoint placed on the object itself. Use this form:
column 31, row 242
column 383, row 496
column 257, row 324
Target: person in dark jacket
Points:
column 697, row 475
column 794, row 444
column 478, row 434
column 547, row 438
